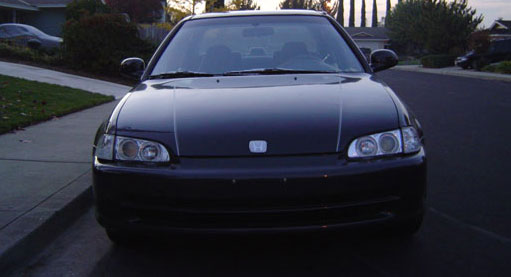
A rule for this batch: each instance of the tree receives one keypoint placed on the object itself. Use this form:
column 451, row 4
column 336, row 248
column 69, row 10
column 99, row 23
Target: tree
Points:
column 363, row 14
column 389, row 6
column 215, row 6
column 340, row 12
column 77, row 9
column 375, row 15
column 352, row 13
column 178, row 9
column 138, row 10
column 300, row 4
column 479, row 41
column 319, row 5
column 432, row 26
column 238, row 5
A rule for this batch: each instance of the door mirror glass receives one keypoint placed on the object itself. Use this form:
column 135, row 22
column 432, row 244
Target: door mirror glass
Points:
column 383, row 59
column 132, row 68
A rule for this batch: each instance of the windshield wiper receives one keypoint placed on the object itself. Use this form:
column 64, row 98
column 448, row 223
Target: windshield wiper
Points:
column 180, row 74
column 274, row 71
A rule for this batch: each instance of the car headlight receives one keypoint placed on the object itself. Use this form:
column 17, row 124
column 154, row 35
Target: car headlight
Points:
column 405, row 140
column 131, row 149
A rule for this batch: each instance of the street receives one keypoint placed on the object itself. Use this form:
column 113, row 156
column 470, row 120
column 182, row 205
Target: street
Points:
column 467, row 229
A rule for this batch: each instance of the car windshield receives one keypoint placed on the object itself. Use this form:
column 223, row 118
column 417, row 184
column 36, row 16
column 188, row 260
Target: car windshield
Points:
column 257, row 45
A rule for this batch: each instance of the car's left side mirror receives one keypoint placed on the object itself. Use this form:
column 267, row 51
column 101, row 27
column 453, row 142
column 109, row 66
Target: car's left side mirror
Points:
column 383, row 59
column 132, row 68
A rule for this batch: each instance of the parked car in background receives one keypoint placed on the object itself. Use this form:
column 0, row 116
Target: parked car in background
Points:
column 29, row 36
column 499, row 50
column 259, row 121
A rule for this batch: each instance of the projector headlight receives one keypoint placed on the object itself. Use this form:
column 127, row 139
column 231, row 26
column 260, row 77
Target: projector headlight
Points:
column 131, row 149
column 405, row 140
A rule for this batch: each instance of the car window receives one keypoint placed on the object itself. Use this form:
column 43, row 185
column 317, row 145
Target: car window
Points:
column 219, row 45
column 34, row 31
column 12, row 30
column 23, row 30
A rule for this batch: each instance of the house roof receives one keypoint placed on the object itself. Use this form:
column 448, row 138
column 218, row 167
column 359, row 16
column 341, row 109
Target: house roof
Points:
column 500, row 27
column 17, row 5
column 506, row 23
column 49, row 3
column 367, row 33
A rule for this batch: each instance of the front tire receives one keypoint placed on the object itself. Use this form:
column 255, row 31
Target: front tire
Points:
column 118, row 237
column 408, row 227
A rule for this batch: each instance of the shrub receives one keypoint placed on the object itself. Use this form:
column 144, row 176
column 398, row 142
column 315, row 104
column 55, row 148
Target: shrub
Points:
column 489, row 68
column 438, row 61
column 503, row 67
column 99, row 42
column 31, row 55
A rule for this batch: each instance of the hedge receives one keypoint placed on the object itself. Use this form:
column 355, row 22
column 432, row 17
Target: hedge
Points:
column 99, row 42
column 503, row 67
column 10, row 51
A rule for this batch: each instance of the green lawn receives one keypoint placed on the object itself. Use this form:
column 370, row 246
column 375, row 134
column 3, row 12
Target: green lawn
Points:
column 410, row 62
column 23, row 102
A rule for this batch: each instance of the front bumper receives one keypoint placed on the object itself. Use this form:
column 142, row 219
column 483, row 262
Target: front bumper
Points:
column 462, row 62
column 259, row 194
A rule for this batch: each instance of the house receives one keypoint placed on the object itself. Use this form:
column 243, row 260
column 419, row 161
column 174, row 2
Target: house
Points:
column 46, row 15
column 500, row 29
column 13, row 11
column 371, row 38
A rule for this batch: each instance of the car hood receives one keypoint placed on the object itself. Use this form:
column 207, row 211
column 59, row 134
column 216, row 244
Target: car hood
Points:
column 294, row 114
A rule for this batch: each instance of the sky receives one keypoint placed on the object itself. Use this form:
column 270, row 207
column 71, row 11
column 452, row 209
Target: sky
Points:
column 490, row 9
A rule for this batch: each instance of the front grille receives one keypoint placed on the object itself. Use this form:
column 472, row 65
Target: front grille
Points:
column 261, row 218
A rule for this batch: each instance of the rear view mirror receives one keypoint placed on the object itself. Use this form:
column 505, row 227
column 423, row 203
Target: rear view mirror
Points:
column 132, row 68
column 383, row 59
column 258, row 32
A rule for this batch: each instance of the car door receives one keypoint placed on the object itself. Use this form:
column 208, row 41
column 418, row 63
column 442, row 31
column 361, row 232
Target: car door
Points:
column 3, row 33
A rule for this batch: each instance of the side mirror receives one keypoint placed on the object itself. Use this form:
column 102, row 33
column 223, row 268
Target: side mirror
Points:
column 132, row 68
column 383, row 59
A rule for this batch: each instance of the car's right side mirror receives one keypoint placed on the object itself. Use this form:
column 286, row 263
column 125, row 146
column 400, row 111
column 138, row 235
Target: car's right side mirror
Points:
column 382, row 59
column 132, row 68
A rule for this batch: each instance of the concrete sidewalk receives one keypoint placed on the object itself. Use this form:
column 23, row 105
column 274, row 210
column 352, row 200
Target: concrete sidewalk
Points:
column 45, row 173
column 456, row 71
column 63, row 79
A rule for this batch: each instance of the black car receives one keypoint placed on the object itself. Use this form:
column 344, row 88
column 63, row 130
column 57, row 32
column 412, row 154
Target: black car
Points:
column 29, row 36
column 499, row 50
column 298, row 134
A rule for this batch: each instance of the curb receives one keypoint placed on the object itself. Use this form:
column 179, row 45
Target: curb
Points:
column 467, row 74
column 33, row 231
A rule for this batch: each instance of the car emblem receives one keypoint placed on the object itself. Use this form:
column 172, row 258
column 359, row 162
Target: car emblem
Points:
column 258, row 146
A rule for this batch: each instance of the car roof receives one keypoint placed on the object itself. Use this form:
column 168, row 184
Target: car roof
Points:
column 253, row 12
column 16, row 24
